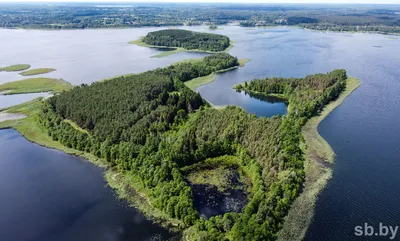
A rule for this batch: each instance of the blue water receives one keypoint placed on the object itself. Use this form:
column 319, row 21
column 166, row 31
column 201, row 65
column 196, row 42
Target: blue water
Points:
column 47, row 195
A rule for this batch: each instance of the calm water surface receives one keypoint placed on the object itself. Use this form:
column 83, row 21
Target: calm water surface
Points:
column 49, row 195
column 10, row 100
column 364, row 131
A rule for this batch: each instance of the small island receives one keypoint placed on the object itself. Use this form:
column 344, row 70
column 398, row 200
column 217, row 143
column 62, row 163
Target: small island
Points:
column 15, row 68
column 34, row 85
column 172, row 41
column 37, row 71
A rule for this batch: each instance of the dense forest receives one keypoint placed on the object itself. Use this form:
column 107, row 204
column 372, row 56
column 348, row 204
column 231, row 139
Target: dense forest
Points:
column 187, row 40
column 378, row 18
column 151, row 125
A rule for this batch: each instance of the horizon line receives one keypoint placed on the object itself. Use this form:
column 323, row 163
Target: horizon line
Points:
column 206, row 2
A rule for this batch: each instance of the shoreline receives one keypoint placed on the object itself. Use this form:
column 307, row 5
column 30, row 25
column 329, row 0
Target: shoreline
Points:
column 319, row 157
column 228, row 24
column 31, row 129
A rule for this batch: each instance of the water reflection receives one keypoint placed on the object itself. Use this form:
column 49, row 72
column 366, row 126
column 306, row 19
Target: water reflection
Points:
column 47, row 195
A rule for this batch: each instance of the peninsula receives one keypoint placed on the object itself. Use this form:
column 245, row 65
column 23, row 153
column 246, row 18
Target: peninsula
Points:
column 154, row 134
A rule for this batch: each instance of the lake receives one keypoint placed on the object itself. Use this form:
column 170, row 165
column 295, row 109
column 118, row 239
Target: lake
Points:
column 49, row 195
column 364, row 131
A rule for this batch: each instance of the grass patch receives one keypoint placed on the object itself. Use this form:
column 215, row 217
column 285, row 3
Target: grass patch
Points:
column 75, row 126
column 319, row 157
column 16, row 67
column 219, row 172
column 197, row 82
column 35, row 85
column 37, row 71
column 219, row 176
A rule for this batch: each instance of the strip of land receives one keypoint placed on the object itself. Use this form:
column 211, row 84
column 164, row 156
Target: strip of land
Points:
column 37, row 71
column 34, row 85
column 15, row 67
column 197, row 82
column 319, row 158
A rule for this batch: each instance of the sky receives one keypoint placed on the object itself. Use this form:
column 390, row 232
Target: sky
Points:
column 227, row 1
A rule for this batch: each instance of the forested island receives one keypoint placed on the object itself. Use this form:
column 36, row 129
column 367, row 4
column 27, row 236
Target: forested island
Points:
column 187, row 39
column 150, row 129
column 370, row 18
column 173, row 41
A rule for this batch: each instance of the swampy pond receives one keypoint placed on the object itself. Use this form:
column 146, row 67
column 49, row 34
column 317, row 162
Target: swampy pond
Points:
column 53, row 196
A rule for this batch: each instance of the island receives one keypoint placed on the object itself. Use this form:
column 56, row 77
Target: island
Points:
column 157, row 139
column 34, row 85
column 37, row 71
column 172, row 41
column 15, row 68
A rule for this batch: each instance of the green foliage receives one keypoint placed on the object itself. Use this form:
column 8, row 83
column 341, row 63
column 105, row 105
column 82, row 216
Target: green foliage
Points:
column 187, row 39
column 152, row 127
column 127, row 122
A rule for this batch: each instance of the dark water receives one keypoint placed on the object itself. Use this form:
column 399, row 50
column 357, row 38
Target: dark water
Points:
column 364, row 131
column 49, row 195
column 210, row 201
